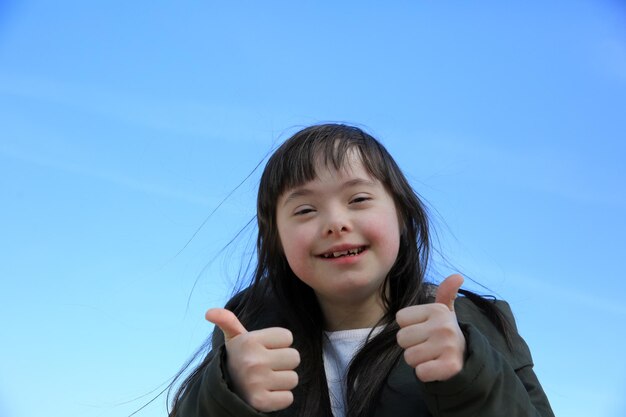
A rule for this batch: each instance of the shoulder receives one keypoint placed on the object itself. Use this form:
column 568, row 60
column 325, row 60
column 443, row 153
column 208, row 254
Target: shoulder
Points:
column 473, row 318
column 253, row 311
column 256, row 309
column 467, row 310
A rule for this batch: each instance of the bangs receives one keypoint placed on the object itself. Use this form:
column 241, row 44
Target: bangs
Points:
column 332, row 146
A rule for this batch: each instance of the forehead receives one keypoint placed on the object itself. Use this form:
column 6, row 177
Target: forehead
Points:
column 350, row 165
column 330, row 180
column 326, row 170
column 302, row 162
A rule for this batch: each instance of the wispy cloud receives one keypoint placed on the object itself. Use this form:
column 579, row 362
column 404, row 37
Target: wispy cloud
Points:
column 612, row 57
column 185, row 117
column 559, row 168
column 106, row 176
column 582, row 298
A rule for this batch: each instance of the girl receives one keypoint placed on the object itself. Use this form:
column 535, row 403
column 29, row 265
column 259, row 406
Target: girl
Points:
column 339, row 319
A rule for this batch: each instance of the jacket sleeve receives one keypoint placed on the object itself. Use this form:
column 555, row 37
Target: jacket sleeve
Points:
column 210, row 396
column 497, row 378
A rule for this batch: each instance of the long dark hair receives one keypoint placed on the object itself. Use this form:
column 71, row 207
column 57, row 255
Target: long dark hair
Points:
column 293, row 164
column 294, row 304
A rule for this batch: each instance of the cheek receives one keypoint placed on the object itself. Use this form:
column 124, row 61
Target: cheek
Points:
column 386, row 233
column 296, row 249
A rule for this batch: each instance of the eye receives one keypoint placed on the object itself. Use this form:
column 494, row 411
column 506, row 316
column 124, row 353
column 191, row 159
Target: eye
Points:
column 301, row 211
column 360, row 199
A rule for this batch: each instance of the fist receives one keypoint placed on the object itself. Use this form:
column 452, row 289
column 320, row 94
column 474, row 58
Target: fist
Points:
column 261, row 363
column 430, row 335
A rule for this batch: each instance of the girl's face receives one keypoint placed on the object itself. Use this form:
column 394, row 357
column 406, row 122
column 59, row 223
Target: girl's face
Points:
column 340, row 234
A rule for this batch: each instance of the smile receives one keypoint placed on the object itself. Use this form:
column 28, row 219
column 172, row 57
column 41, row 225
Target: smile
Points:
column 340, row 254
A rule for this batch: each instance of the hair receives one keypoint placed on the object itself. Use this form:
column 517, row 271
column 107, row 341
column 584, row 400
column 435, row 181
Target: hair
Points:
column 294, row 304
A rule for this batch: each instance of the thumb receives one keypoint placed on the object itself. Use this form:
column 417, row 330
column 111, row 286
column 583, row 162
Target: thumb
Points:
column 226, row 321
column 448, row 289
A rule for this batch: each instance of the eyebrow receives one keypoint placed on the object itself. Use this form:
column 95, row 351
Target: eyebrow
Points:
column 300, row 192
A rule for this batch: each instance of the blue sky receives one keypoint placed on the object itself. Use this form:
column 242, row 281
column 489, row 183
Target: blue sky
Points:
column 125, row 124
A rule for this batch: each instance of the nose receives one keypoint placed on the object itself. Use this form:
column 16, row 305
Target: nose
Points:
column 337, row 223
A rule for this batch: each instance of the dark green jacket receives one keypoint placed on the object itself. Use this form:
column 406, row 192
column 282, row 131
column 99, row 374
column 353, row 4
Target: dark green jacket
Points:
column 495, row 381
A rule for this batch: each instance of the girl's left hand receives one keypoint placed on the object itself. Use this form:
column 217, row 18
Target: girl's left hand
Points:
column 430, row 335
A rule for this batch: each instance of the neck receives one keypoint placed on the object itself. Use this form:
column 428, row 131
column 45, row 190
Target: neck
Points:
column 340, row 315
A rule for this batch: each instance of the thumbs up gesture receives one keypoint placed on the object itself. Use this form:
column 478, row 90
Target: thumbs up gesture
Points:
column 430, row 335
column 260, row 363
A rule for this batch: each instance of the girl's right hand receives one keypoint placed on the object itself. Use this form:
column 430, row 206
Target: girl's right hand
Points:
column 260, row 363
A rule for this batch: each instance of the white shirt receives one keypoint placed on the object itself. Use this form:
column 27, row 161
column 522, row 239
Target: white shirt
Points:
column 339, row 349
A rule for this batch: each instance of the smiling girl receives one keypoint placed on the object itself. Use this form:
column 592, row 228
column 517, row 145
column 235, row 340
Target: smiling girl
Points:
column 339, row 318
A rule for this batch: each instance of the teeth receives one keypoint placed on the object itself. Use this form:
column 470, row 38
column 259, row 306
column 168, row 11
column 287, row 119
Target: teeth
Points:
column 354, row 251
